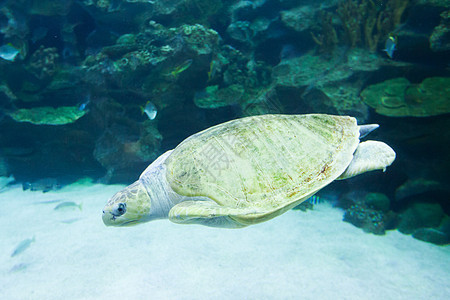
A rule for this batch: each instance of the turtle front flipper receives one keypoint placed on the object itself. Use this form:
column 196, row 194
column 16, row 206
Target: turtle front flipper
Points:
column 369, row 156
column 207, row 213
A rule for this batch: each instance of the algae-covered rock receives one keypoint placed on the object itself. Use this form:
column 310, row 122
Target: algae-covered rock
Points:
column 400, row 98
column 199, row 39
column 327, row 85
column 213, row 97
column 47, row 115
column 431, row 235
column 420, row 215
column 308, row 70
column 299, row 18
column 413, row 187
column 440, row 38
column 367, row 219
column 128, row 144
column 378, row 201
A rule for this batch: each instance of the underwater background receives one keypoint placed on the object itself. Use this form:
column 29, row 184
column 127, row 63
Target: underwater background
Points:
column 92, row 91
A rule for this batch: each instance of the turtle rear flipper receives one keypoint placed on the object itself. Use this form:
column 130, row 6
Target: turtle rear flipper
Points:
column 369, row 156
column 207, row 213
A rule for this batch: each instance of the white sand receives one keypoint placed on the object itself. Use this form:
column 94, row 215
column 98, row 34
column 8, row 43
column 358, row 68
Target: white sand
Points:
column 298, row 255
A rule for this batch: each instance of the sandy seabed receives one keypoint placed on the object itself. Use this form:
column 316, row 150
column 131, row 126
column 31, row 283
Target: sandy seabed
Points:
column 312, row 255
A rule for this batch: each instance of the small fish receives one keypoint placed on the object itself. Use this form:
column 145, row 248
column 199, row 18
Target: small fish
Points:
column 390, row 46
column 84, row 104
column 45, row 185
column 22, row 246
column 181, row 68
column 9, row 52
column 70, row 221
column 68, row 206
column 18, row 267
column 314, row 200
column 150, row 110
column 212, row 69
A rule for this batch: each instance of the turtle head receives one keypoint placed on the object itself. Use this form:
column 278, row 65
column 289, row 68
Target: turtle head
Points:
column 127, row 207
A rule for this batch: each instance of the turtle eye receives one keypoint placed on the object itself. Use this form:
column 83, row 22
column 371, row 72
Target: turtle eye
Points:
column 119, row 209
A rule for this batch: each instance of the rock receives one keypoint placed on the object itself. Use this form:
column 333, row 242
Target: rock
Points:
column 242, row 10
column 44, row 62
column 338, row 98
column 213, row 97
column 418, row 186
column 445, row 225
column 50, row 7
column 240, row 31
column 199, row 39
column 126, row 145
column 3, row 167
column 440, row 38
column 431, row 235
column 420, row 215
column 47, row 115
column 365, row 218
column 300, row 18
column 377, row 201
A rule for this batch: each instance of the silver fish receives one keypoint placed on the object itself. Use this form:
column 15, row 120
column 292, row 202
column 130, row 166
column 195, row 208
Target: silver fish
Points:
column 70, row 221
column 18, row 267
column 22, row 246
column 150, row 110
column 68, row 205
column 9, row 52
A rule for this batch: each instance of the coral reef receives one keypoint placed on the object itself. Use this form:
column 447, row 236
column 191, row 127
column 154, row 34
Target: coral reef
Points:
column 398, row 97
column 44, row 62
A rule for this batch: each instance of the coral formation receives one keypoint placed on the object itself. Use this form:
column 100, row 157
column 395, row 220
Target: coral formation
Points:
column 398, row 97
column 366, row 23
column 327, row 39
column 367, row 219
column 47, row 115
column 44, row 62
column 440, row 38
column 420, row 215
column 370, row 212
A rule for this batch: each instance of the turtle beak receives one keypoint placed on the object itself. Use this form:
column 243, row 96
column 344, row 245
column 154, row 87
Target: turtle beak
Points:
column 109, row 219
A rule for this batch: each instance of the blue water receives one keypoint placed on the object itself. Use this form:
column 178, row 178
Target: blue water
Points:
column 76, row 78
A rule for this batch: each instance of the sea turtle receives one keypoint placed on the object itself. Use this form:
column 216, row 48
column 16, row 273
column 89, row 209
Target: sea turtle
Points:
column 248, row 170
